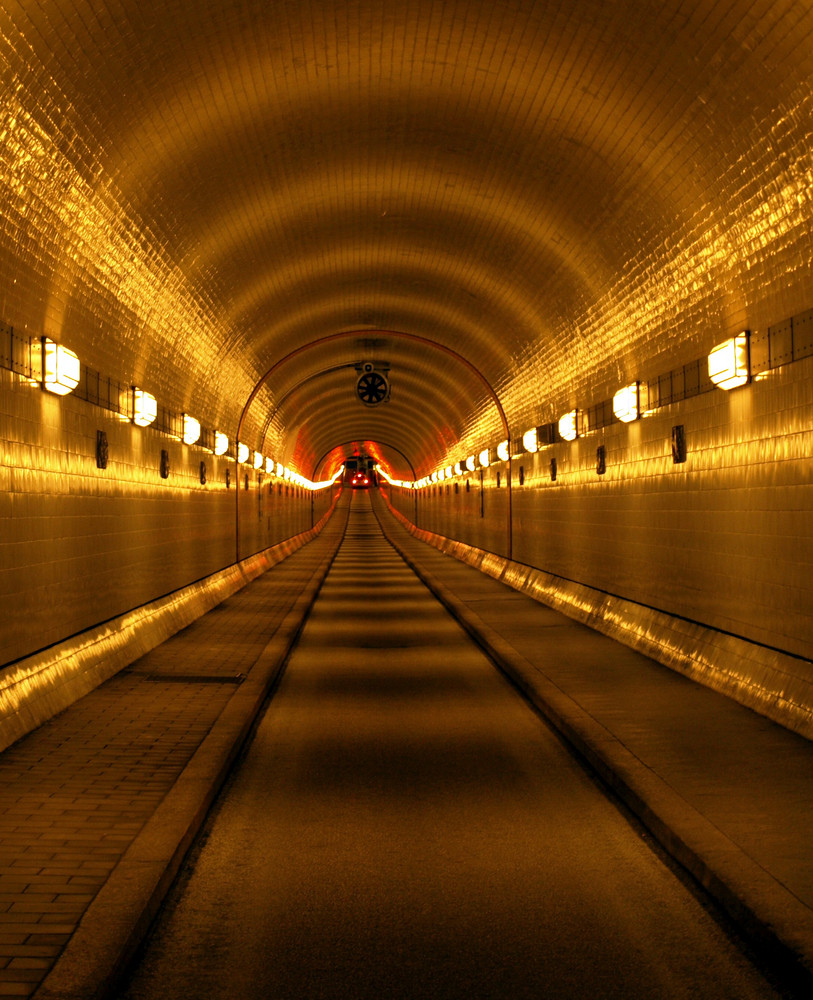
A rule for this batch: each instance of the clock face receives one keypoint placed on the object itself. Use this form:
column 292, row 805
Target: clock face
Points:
column 372, row 388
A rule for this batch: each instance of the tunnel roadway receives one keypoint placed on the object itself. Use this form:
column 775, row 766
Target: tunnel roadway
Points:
column 404, row 825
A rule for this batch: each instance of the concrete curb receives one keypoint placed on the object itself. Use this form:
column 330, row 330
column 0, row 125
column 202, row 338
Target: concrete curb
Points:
column 118, row 919
column 774, row 921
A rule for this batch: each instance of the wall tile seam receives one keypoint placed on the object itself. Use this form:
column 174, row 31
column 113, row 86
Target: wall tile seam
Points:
column 180, row 574
column 228, row 579
column 753, row 694
column 586, row 474
column 711, row 402
column 793, row 594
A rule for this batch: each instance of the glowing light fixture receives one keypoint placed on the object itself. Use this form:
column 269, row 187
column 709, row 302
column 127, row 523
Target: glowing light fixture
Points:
column 502, row 451
column 434, row 477
column 258, row 460
column 269, row 466
column 458, row 469
column 221, row 443
column 145, row 407
column 728, row 362
column 242, row 452
column 191, row 429
column 485, row 458
column 471, row 462
column 448, row 471
column 626, row 403
column 280, row 469
column 530, row 441
column 571, row 425
column 60, row 368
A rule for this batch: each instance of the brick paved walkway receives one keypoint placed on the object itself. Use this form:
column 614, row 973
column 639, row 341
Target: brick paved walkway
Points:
column 76, row 792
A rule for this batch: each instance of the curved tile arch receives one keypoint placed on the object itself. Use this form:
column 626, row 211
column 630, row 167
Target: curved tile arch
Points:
column 427, row 414
column 433, row 276
column 427, row 387
column 526, row 53
column 426, row 344
column 726, row 37
column 479, row 329
column 410, row 438
column 322, row 354
column 424, row 423
column 519, row 249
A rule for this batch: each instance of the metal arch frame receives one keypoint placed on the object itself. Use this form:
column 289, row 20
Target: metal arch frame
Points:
column 292, row 390
column 385, row 444
column 399, row 335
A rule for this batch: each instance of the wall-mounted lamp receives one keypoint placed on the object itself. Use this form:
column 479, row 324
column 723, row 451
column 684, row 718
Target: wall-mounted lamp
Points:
column 60, row 368
column 503, row 452
column 530, row 441
column 280, row 469
column 242, row 452
column 458, row 469
column 448, row 472
column 191, row 429
column 145, row 407
column 269, row 466
column 484, row 458
column 471, row 463
column 572, row 425
column 258, row 460
column 221, row 443
column 728, row 362
column 627, row 403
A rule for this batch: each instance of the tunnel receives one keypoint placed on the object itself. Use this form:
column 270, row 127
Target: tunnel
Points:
column 543, row 270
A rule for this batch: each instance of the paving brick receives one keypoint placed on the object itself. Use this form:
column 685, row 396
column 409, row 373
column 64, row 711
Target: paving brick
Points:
column 57, row 906
column 80, row 789
column 17, row 989
column 32, row 951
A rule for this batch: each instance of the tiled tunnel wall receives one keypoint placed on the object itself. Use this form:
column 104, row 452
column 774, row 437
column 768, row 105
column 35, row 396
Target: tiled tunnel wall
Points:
column 88, row 544
column 723, row 540
column 690, row 221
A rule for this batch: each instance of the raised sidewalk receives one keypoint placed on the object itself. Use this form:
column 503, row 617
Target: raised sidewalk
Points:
column 100, row 804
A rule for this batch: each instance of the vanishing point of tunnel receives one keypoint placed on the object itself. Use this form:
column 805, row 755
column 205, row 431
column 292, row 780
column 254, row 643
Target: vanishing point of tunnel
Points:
column 521, row 290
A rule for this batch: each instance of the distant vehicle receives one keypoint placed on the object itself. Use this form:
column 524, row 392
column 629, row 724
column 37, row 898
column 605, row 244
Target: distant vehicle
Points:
column 359, row 472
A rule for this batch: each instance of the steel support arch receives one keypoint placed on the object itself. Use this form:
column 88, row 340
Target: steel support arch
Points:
column 398, row 335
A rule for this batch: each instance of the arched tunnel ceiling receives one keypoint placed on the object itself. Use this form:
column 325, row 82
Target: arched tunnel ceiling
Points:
column 566, row 195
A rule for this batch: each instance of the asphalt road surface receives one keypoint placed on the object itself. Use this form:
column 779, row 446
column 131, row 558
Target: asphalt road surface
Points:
column 404, row 826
